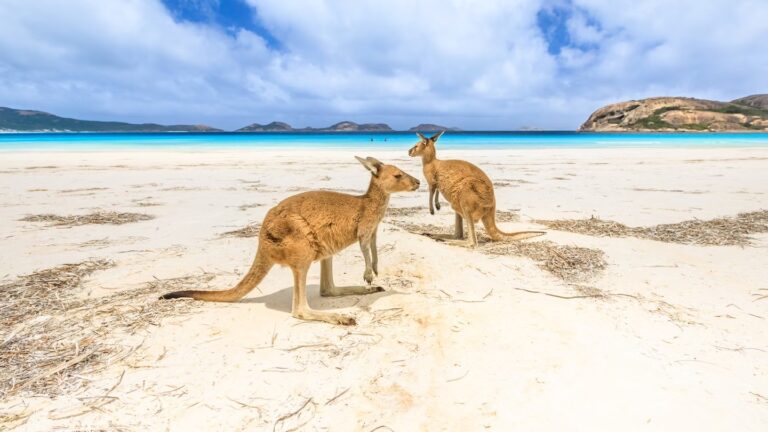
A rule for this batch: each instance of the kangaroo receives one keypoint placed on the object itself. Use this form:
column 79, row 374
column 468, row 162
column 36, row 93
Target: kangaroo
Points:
column 313, row 226
column 466, row 187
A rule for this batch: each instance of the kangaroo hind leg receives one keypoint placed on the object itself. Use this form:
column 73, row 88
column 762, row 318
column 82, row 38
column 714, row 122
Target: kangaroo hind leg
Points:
column 458, row 227
column 329, row 289
column 472, row 235
column 300, row 306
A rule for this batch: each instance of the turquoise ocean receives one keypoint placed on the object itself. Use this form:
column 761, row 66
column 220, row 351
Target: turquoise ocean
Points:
column 362, row 140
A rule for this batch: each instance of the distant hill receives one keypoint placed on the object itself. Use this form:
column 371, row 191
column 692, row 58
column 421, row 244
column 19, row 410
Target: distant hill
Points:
column 680, row 114
column 348, row 126
column 756, row 101
column 37, row 121
column 16, row 120
column 429, row 127
column 345, row 126
column 271, row 127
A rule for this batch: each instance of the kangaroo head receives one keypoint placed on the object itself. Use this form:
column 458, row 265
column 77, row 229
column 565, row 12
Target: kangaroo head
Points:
column 425, row 145
column 389, row 177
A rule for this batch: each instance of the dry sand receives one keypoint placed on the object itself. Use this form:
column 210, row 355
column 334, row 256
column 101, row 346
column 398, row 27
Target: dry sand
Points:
column 666, row 337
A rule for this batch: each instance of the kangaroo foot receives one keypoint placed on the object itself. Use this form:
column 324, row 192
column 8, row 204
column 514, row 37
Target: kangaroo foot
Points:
column 461, row 243
column 351, row 290
column 329, row 317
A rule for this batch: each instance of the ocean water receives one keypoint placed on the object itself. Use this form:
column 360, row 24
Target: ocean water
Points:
column 365, row 140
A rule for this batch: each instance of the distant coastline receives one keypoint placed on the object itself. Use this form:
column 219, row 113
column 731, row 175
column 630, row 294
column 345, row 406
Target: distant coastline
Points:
column 658, row 114
column 31, row 121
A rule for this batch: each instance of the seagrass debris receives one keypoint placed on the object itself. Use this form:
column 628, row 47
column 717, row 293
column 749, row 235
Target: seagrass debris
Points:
column 723, row 231
column 96, row 218
column 50, row 334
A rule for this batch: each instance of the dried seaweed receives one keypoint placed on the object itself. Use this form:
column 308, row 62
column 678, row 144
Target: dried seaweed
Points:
column 507, row 216
column 76, row 191
column 724, row 231
column 245, row 207
column 97, row 218
column 399, row 212
column 250, row 230
column 50, row 334
column 693, row 192
column 570, row 263
column 510, row 182
column 405, row 211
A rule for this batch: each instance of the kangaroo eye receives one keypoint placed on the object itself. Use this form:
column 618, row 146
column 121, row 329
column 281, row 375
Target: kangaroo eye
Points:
column 397, row 176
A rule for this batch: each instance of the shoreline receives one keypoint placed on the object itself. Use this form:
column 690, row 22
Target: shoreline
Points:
column 279, row 148
column 360, row 141
column 396, row 151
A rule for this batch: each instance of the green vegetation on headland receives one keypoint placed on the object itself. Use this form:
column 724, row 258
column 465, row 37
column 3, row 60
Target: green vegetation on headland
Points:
column 741, row 109
column 654, row 121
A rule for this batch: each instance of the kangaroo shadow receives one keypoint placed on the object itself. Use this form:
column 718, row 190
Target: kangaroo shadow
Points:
column 452, row 240
column 281, row 300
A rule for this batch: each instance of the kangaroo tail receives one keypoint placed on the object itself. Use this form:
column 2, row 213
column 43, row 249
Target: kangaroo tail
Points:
column 489, row 221
column 256, row 273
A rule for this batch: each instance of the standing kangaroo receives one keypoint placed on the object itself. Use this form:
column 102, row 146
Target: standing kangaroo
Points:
column 467, row 189
column 313, row 226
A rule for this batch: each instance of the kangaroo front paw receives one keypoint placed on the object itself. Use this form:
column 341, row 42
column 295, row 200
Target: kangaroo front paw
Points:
column 437, row 205
column 346, row 320
column 431, row 211
column 368, row 276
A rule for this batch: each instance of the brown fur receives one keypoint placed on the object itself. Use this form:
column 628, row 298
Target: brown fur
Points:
column 313, row 226
column 466, row 187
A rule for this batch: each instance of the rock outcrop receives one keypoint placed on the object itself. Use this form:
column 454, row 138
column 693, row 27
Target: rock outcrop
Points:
column 679, row 114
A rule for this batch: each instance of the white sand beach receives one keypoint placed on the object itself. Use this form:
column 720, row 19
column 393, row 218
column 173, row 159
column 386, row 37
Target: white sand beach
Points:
column 666, row 337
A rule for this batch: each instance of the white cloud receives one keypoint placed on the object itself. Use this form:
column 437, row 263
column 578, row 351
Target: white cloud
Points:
column 582, row 31
column 710, row 49
column 470, row 64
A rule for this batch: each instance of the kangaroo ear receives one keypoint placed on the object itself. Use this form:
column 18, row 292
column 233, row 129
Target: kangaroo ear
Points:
column 437, row 135
column 421, row 136
column 371, row 166
column 375, row 161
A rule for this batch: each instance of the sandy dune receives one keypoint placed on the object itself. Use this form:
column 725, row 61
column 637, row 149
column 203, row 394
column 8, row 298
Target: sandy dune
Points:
column 667, row 337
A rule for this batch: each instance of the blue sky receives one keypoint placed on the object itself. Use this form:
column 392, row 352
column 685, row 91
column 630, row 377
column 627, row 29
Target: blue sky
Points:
column 228, row 15
column 495, row 64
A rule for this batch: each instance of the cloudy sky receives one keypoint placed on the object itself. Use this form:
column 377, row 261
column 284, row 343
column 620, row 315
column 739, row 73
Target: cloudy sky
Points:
column 488, row 64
